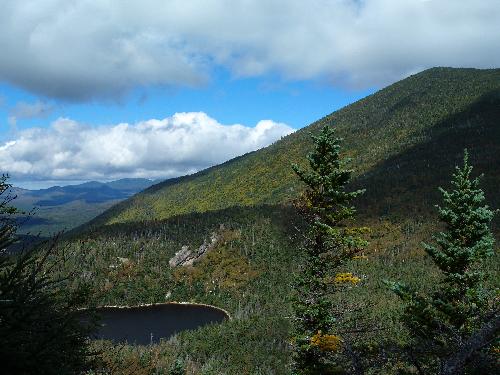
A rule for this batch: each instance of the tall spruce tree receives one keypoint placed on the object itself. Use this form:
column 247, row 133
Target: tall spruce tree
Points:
column 326, row 206
column 449, row 320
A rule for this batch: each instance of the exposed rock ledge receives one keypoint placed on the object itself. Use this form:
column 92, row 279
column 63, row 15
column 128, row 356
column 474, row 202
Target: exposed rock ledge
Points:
column 186, row 256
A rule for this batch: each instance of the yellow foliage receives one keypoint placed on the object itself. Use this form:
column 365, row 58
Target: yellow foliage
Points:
column 327, row 343
column 360, row 257
column 221, row 268
column 357, row 230
column 346, row 277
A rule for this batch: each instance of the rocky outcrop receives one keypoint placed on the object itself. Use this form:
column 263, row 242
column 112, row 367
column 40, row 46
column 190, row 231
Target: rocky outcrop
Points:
column 186, row 257
column 180, row 257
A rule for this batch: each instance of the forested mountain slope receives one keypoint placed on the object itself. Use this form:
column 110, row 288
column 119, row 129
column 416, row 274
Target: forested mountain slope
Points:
column 404, row 141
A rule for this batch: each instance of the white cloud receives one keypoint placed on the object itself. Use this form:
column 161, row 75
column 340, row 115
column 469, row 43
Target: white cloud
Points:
column 174, row 146
column 79, row 49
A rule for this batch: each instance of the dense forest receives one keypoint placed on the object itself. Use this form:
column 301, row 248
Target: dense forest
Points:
column 402, row 140
column 403, row 143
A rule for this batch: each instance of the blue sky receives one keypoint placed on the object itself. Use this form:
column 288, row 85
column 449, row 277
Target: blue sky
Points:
column 101, row 90
column 229, row 100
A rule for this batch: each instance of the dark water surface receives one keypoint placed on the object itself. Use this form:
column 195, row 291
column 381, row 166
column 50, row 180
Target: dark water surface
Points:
column 148, row 324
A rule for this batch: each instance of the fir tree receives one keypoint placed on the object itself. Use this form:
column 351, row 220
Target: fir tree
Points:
column 326, row 207
column 442, row 324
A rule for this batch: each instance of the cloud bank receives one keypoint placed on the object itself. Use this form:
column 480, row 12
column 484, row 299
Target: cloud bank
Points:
column 174, row 146
column 80, row 50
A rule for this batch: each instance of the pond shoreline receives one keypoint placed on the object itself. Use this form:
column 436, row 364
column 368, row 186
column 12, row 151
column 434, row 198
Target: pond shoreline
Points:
column 146, row 324
column 229, row 317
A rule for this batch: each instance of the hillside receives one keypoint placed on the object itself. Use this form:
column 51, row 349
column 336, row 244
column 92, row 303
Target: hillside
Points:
column 404, row 141
column 419, row 126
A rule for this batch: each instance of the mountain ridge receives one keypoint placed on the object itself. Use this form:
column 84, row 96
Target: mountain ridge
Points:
column 404, row 142
column 63, row 207
column 383, row 125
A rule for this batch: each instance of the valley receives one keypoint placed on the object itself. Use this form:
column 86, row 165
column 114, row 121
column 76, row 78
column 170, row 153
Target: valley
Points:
column 59, row 208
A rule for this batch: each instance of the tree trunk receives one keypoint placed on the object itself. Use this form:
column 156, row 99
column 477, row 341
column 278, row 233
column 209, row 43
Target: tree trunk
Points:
column 454, row 364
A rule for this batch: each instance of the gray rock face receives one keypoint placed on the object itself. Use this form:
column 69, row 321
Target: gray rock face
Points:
column 187, row 257
column 180, row 257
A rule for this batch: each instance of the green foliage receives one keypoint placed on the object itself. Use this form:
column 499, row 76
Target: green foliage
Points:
column 49, row 220
column 468, row 240
column 221, row 270
column 40, row 327
column 178, row 368
column 257, row 338
column 442, row 323
column 251, row 268
column 400, row 139
column 326, row 206
column 7, row 223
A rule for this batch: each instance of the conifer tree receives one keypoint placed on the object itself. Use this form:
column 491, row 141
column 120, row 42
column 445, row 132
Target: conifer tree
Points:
column 41, row 328
column 7, row 212
column 326, row 206
column 444, row 323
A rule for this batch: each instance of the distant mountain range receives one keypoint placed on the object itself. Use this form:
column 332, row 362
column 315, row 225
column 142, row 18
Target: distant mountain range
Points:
column 64, row 207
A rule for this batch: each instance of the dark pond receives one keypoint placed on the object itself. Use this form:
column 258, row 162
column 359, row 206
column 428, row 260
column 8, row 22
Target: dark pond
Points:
column 148, row 324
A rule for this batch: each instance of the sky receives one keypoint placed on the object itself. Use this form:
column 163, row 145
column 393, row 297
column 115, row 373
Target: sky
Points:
column 100, row 90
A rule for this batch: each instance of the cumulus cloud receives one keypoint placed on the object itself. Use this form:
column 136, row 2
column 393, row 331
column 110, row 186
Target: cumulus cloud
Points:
column 23, row 110
column 174, row 146
column 78, row 50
